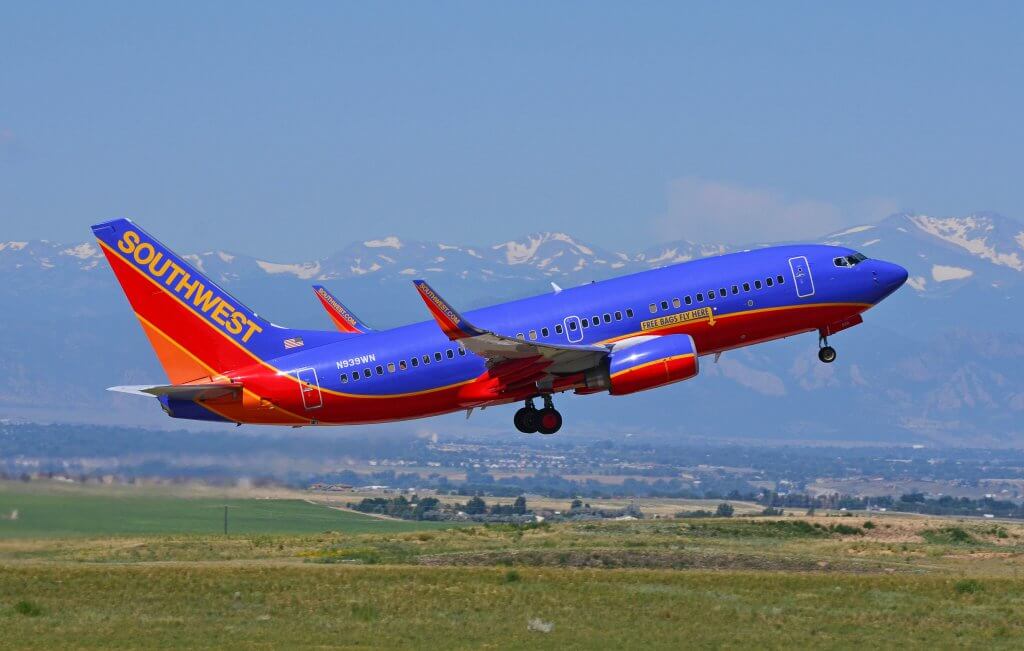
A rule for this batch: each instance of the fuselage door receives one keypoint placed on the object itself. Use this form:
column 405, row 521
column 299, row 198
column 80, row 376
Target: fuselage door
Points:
column 309, row 385
column 573, row 329
column 802, row 276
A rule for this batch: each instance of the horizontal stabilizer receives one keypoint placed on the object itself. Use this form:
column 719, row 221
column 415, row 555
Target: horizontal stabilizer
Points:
column 207, row 391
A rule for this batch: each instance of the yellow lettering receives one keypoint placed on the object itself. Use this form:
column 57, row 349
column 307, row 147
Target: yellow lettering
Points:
column 248, row 333
column 163, row 269
column 139, row 255
column 235, row 323
column 204, row 299
column 128, row 242
column 184, row 282
column 175, row 271
column 220, row 312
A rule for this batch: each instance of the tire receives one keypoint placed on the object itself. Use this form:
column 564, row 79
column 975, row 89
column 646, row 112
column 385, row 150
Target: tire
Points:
column 526, row 420
column 827, row 354
column 549, row 421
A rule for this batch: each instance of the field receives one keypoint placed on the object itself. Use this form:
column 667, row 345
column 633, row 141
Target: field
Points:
column 831, row 582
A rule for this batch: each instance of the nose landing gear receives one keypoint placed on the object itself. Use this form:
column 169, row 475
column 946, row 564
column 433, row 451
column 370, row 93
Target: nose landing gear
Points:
column 826, row 353
column 530, row 420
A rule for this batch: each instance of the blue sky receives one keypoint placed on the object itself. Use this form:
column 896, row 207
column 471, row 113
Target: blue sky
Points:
column 289, row 129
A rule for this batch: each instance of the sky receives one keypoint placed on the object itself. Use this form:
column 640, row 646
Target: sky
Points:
column 287, row 130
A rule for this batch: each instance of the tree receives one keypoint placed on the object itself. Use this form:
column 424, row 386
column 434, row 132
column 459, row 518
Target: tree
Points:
column 476, row 506
column 724, row 510
column 576, row 503
column 519, row 506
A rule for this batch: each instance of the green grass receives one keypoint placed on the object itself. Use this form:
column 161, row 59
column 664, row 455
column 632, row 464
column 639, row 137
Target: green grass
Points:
column 56, row 514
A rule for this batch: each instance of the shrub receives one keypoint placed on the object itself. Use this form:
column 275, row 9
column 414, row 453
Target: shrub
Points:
column 28, row 608
column 868, row 524
column 968, row 586
column 846, row 530
column 511, row 576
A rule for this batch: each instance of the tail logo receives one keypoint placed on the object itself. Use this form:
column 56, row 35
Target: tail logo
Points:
column 342, row 312
column 193, row 292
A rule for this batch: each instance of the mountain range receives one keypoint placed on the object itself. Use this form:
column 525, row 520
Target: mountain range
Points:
column 942, row 360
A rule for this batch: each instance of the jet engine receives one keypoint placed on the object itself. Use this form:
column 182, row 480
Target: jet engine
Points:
column 642, row 363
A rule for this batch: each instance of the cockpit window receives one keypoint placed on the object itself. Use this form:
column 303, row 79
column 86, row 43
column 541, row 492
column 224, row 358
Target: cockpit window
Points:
column 849, row 260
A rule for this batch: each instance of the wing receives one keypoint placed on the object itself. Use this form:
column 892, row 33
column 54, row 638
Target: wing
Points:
column 556, row 359
column 342, row 317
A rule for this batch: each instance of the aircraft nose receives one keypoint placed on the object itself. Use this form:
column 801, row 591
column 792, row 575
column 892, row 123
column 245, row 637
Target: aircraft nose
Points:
column 890, row 276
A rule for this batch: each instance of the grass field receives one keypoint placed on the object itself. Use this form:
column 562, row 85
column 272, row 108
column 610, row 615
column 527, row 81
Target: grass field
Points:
column 823, row 582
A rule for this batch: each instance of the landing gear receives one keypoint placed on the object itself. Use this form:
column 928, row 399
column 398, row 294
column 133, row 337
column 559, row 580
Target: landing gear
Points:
column 531, row 420
column 826, row 353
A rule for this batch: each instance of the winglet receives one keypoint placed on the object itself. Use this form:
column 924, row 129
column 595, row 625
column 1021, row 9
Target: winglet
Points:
column 451, row 322
column 342, row 317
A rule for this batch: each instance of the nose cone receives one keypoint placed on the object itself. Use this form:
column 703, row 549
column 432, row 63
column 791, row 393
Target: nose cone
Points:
column 888, row 277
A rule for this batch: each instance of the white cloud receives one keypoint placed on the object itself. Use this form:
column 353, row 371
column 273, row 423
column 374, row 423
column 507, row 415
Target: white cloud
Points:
column 722, row 211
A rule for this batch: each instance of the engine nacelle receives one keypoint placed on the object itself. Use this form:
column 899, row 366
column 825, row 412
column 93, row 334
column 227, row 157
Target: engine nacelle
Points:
column 645, row 364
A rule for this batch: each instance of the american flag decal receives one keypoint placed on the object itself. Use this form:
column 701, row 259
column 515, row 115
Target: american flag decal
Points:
column 294, row 342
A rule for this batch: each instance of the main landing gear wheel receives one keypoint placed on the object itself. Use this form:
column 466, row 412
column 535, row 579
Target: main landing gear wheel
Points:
column 826, row 353
column 530, row 420
column 527, row 420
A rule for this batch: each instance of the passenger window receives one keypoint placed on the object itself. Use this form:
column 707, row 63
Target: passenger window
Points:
column 769, row 281
column 735, row 289
column 595, row 320
column 437, row 357
column 558, row 328
column 520, row 336
column 426, row 359
column 746, row 287
column 391, row 367
column 618, row 315
column 585, row 323
column 415, row 362
column 722, row 292
column 380, row 370
column 664, row 305
column 676, row 302
column 401, row 365
column 544, row 332
column 689, row 301
column 780, row 279
column 572, row 326
column 607, row 318
column 344, row 378
column 367, row 372
column 462, row 351
column 450, row 353
column 757, row 284
column 629, row 312
column 355, row 375
column 533, row 335
column 653, row 307
column 711, row 294
column 700, row 297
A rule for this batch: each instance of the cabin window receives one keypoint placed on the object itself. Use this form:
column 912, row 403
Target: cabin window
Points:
column 520, row 336
column 840, row 262
column 629, row 312
column 769, row 281
column 437, row 357
column 746, row 287
column 688, row 300
column 664, row 305
column 450, row 353
column 584, row 322
column 595, row 320
column 558, row 328
column 780, row 279
column 391, row 367
column 572, row 326
column 380, row 370
column 367, row 372
column 355, row 375
column 653, row 308
column 533, row 335
column 426, row 359
column 618, row 315
column 344, row 378
column 607, row 318
column 676, row 302
column 402, row 365
column 711, row 294
column 415, row 362
column 544, row 332
column 462, row 351
column 700, row 297
column 722, row 292
column 735, row 289
column 757, row 284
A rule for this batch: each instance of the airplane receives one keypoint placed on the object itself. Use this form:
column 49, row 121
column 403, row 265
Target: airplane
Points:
column 632, row 333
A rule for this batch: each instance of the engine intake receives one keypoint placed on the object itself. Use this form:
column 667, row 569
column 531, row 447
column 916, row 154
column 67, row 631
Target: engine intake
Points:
column 646, row 364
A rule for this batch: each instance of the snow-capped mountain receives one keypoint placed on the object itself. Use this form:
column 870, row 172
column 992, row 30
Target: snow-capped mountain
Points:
column 943, row 359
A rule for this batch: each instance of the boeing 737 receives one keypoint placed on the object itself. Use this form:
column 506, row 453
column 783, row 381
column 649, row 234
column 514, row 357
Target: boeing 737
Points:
column 226, row 363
